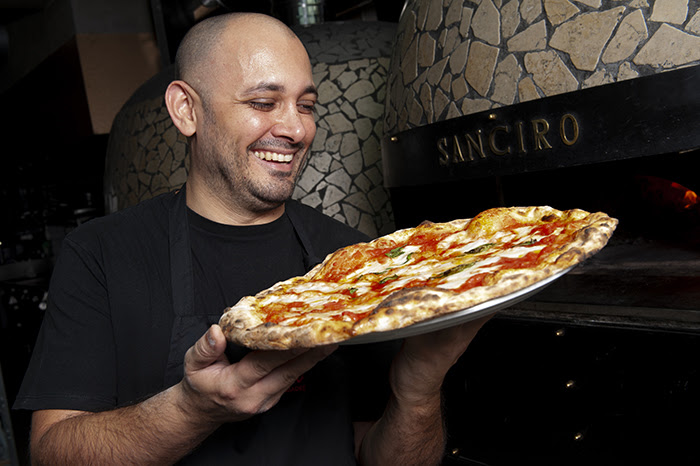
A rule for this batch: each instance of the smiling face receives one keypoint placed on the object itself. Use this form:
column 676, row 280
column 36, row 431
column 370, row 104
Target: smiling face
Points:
column 254, row 118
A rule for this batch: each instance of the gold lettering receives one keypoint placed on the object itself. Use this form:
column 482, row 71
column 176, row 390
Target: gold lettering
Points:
column 521, row 137
column 472, row 144
column 539, row 132
column 457, row 156
column 492, row 140
column 444, row 159
column 562, row 129
column 469, row 147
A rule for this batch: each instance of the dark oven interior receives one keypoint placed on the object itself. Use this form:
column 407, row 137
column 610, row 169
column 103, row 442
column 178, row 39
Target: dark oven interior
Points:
column 600, row 367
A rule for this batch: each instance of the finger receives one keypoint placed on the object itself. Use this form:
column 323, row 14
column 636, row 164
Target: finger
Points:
column 255, row 365
column 284, row 376
column 467, row 331
column 207, row 350
column 286, row 366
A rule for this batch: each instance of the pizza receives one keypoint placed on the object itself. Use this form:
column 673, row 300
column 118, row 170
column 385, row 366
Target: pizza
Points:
column 417, row 274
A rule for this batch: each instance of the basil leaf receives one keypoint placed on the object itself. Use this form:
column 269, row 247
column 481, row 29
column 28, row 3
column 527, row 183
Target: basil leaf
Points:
column 480, row 249
column 376, row 274
column 386, row 279
column 396, row 252
column 529, row 242
column 453, row 270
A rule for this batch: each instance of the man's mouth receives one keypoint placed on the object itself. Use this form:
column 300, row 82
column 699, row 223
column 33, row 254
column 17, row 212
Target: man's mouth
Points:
column 273, row 156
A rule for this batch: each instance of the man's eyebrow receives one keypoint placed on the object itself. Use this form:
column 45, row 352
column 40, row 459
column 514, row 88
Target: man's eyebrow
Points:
column 272, row 87
column 311, row 89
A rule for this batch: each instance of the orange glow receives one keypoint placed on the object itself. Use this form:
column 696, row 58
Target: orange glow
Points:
column 689, row 199
column 668, row 193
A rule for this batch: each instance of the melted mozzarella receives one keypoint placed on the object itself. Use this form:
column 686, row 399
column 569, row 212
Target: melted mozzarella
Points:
column 358, row 287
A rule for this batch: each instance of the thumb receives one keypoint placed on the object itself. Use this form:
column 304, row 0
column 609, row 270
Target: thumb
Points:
column 207, row 350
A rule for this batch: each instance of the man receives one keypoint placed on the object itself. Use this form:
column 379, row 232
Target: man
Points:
column 134, row 293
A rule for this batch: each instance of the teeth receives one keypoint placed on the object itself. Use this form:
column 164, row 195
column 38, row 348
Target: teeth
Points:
column 273, row 156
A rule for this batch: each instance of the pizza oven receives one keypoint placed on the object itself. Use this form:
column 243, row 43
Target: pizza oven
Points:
column 591, row 105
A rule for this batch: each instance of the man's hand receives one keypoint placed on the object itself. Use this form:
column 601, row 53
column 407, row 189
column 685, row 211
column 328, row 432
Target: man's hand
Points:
column 225, row 392
column 411, row 429
column 421, row 366
column 167, row 426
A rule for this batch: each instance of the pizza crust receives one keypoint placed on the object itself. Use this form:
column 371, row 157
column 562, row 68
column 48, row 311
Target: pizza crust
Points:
column 243, row 325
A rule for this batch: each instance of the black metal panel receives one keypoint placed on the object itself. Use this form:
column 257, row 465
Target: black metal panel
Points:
column 649, row 115
column 545, row 393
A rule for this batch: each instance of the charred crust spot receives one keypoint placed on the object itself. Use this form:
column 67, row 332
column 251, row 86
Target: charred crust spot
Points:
column 269, row 324
column 549, row 218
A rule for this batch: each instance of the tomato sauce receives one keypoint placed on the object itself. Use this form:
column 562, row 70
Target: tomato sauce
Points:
column 473, row 282
column 542, row 235
column 547, row 229
column 278, row 312
column 528, row 260
column 334, row 306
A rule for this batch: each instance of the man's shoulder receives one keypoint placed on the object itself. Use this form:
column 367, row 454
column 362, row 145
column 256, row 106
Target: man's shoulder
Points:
column 324, row 230
column 147, row 219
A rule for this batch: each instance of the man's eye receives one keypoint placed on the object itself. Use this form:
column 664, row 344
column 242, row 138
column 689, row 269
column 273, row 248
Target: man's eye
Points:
column 261, row 105
column 307, row 107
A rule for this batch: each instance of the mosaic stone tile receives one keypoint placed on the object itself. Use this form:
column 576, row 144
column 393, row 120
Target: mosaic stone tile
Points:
column 631, row 32
column 584, row 37
column 530, row 10
column 669, row 11
column 559, row 46
column 486, row 24
column 669, row 48
column 532, row 38
column 510, row 18
column 352, row 87
column 693, row 26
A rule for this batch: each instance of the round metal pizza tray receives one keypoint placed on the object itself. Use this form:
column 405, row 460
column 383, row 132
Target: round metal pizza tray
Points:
column 459, row 317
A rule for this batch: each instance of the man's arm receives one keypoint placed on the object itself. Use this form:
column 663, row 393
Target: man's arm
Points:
column 167, row 426
column 411, row 430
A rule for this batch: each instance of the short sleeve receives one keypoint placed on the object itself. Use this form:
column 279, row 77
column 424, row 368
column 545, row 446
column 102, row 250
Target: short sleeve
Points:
column 73, row 363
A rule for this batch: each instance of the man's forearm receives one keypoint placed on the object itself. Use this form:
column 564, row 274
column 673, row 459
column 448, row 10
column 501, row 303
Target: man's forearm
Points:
column 406, row 435
column 156, row 431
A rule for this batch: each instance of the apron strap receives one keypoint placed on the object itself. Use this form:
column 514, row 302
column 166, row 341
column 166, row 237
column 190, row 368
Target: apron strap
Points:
column 294, row 214
column 185, row 323
column 187, row 326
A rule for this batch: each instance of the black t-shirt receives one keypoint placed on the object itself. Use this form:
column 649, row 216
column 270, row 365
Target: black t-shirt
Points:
column 229, row 262
column 122, row 297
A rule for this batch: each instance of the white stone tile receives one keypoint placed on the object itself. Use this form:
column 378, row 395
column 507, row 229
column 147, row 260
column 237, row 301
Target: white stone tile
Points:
column 669, row 48
column 584, row 37
column 340, row 179
column 631, row 32
column 531, row 39
column 530, row 10
column 486, row 24
column 669, row 11
column 480, row 66
column 559, row 11
column 550, row 73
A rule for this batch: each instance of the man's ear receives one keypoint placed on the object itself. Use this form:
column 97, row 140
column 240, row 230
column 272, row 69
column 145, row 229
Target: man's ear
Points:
column 180, row 100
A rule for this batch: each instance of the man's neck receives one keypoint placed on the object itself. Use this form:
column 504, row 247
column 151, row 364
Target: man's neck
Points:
column 219, row 210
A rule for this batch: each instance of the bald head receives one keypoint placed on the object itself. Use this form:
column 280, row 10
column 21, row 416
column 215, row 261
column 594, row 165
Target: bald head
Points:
column 198, row 50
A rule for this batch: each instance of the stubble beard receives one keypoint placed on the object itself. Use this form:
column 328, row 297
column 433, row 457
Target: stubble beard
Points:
column 229, row 174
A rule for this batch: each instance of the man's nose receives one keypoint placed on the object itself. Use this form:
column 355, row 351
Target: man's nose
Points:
column 290, row 124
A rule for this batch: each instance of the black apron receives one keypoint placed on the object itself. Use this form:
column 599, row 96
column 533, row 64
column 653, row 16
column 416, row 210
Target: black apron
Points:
column 188, row 326
column 312, row 425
